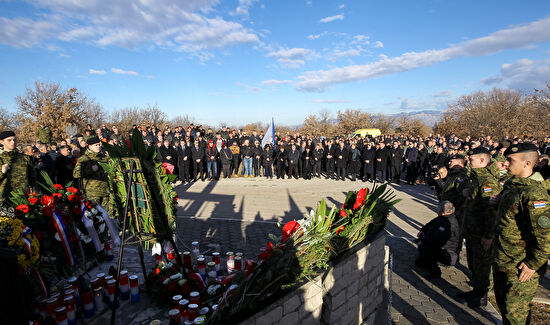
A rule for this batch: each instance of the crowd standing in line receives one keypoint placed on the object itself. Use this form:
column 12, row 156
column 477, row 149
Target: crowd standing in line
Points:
column 494, row 195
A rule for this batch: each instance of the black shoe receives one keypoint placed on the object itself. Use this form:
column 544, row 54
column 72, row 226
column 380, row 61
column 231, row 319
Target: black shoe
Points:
column 465, row 294
column 477, row 301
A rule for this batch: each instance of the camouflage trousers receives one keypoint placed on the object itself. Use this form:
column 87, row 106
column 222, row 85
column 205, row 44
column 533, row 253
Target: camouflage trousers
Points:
column 105, row 203
column 513, row 297
column 479, row 262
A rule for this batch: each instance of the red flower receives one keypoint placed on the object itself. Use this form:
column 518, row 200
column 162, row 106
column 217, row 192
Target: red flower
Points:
column 267, row 252
column 33, row 200
column 343, row 213
column 340, row 229
column 72, row 189
column 58, row 186
column 57, row 196
column 360, row 200
column 22, row 209
column 46, row 201
column 88, row 205
column 289, row 229
column 74, row 198
column 176, row 199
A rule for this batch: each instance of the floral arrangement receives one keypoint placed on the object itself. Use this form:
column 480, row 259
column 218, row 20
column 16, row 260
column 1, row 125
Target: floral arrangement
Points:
column 303, row 250
column 68, row 230
column 14, row 234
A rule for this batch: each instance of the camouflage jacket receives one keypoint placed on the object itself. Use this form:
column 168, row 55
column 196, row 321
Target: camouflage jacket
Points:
column 523, row 231
column 21, row 174
column 456, row 181
column 44, row 135
column 94, row 183
column 479, row 216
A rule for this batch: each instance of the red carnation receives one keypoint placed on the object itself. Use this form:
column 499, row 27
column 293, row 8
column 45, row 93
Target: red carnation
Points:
column 33, row 200
column 57, row 196
column 58, row 186
column 176, row 199
column 22, row 209
column 72, row 189
column 361, row 195
column 343, row 213
column 88, row 205
column 289, row 229
column 46, row 200
column 267, row 252
column 74, row 198
column 340, row 229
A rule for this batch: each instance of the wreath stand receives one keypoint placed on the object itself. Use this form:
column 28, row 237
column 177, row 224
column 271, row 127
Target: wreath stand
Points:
column 132, row 177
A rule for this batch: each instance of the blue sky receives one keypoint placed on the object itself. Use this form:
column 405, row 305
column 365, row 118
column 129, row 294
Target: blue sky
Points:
column 243, row 61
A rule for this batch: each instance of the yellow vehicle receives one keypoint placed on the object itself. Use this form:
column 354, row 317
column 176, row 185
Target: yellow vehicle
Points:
column 364, row 132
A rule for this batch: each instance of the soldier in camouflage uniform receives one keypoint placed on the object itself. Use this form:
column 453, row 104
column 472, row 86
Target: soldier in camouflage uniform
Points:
column 44, row 134
column 523, row 234
column 456, row 181
column 480, row 224
column 16, row 169
column 94, row 179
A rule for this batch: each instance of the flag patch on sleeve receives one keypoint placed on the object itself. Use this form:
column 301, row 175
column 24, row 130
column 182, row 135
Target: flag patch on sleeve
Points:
column 487, row 189
column 539, row 204
column 501, row 183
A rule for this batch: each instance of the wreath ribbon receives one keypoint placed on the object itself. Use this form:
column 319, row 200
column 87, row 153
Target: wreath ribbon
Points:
column 89, row 224
column 64, row 236
column 110, row 226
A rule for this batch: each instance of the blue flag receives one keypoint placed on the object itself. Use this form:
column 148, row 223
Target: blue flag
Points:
column 269, row 136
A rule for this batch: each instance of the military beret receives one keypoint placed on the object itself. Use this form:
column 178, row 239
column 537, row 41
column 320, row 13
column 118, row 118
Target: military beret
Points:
column 6, row 134
column 479, row 150
column 521, row 147
column 458, row 156
column 92, row 140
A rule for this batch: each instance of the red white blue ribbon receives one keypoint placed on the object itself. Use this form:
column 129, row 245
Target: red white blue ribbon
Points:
column 64, row 236
column 89, row 224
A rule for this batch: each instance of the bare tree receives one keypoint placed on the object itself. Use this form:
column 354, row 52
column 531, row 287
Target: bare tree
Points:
column 350, row 120
column 52, row 106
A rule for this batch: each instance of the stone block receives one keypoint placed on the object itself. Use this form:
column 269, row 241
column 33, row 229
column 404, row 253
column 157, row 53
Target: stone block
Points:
column 309, row 320
column 339, row 299
column 291, row 304
column 272, row 316
column 291, row 318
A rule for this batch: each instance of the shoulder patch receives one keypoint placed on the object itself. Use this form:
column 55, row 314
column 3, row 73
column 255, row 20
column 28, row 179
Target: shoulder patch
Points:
column 487, row 189
column 544, row 222
column 539, row 204
column 501, row 183
column 460, row 179
column 443, row 228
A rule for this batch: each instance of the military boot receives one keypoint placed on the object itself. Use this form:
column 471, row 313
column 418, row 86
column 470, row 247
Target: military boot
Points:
column 478, row 299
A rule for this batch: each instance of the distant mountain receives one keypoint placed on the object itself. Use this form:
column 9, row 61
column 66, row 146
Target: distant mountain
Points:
column 430, row 117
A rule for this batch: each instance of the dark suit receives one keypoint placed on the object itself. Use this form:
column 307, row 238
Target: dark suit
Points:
column 341, row 155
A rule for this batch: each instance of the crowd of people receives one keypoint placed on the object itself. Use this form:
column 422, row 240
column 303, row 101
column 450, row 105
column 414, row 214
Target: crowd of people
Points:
column 494, row 194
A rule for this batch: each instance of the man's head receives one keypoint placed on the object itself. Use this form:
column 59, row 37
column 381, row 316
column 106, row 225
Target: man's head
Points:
column 7, row 140
column 94, row 144
column 445, row 208
column 457, row 161
column 42, row 147
column 442, row 172
column 64, row 150
column 521, row 158
column 479, row 157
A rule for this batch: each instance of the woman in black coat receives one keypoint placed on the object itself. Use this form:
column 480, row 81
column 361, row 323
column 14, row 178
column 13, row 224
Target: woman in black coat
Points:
column 367, row 157
column 307, row 163
column 282, row 162
column 267, row 161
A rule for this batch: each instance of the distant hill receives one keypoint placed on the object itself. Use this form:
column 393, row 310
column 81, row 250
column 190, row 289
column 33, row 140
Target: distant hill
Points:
column 429, row 117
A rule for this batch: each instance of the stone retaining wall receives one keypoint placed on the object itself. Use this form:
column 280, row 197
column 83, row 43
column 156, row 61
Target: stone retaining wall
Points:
column 351, row 291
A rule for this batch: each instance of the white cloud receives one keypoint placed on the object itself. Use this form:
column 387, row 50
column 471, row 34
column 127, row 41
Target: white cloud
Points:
column 378, row 44
column 443, row 94
column 331, row 18
column 120, row 71
column 331, row 101
column 523, row 74
column 342, row 6
column 63, row 55
column 314, row 36
column 309, row 3
column 183, row 25
column 244, row 6
column 293, row 58
column 274, row 82
column 251, row 88
column 513, row 37
column 99, row 72
column 360, row 39
column 338, row 54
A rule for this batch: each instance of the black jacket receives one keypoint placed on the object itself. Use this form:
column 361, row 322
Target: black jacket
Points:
column 341, row 152
column 383, row 155
column 226, row 156
column 197, row 153
column 442, row 231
